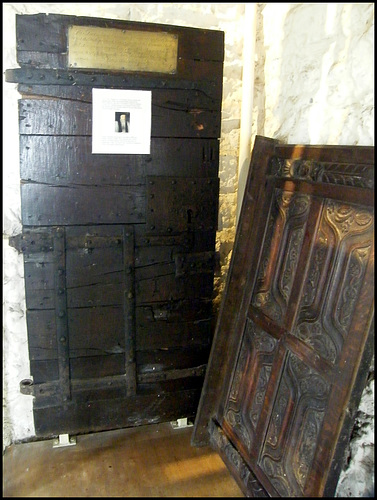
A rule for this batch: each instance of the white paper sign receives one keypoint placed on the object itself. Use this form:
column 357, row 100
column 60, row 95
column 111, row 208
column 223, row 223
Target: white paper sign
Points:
column 121, row 121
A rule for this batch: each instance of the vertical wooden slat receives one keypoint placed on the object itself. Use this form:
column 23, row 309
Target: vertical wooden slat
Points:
column 129, row 308
column 61, row 313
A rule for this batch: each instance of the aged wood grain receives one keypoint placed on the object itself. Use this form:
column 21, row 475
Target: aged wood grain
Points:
column 74, row 163
column 31, row 28
column 49, row 205
column 95, row 415
column 137, row 314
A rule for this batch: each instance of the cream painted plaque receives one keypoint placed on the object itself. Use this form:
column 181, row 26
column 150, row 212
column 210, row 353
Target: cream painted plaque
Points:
column 125, row 50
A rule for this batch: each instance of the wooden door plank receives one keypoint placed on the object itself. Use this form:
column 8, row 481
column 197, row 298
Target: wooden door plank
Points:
column 49, row 205
column 169, row 288
column 172, row 116
column 92, row 416
column 163, row 335
column 74, row 163
column 171, row 359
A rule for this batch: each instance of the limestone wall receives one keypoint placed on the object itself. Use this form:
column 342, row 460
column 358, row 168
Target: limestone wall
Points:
column 314, row 76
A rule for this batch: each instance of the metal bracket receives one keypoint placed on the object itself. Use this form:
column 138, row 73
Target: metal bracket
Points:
column 181, row 423
column 32, row 241
column 64, row 440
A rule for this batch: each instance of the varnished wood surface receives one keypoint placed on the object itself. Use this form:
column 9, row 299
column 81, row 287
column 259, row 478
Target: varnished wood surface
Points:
column 150, row 461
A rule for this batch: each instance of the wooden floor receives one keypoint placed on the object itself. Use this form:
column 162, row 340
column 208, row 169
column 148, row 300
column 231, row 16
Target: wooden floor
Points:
column 149, row 461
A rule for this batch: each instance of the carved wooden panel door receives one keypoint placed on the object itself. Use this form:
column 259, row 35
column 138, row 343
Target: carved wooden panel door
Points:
column 294, row 338
column 119, row 249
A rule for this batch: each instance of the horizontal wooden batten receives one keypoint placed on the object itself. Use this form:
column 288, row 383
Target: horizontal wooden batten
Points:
column 46, row 205
column 96, row 331
column 106, row 414
column 159, row 360
column 93, row 331
column 44, row 370
column 111, row 391
column 49, row 389
column 188, row 240
column 75, row 164
column 196, row 75
column 78, row 87
column 173, row 312
column 171, row 117
column 106, row 340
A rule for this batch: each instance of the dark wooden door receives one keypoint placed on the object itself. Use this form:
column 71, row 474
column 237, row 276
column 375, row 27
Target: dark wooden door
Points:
column 119, row 249
column 293, row 342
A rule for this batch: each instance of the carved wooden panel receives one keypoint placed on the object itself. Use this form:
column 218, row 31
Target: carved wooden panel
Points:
column 343, row 247
column 296, row 321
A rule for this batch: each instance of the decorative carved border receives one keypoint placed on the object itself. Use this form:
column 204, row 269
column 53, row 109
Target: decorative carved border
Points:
column 326, row 172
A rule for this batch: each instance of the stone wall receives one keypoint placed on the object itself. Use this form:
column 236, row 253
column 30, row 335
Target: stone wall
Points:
column 313, row 83
column 314, row 74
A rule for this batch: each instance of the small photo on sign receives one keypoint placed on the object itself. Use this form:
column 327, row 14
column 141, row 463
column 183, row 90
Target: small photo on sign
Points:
column 122, row 122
